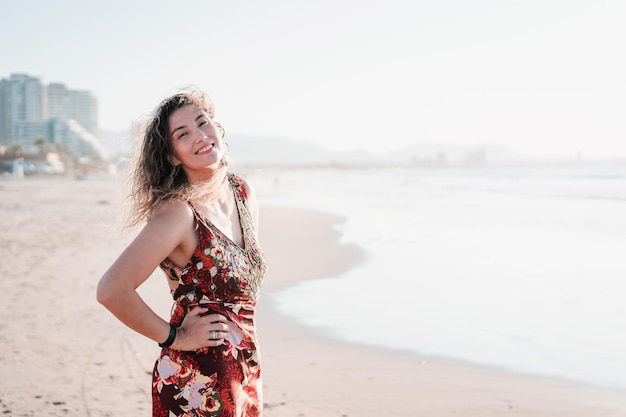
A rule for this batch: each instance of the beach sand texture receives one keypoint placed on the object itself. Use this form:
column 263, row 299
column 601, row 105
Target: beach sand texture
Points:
column 62, row 354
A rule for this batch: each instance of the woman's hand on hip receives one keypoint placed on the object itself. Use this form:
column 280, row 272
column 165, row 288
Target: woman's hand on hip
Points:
column 198, row 331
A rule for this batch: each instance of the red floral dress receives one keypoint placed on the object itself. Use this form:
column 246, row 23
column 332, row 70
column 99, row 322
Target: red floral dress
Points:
column 225, row 380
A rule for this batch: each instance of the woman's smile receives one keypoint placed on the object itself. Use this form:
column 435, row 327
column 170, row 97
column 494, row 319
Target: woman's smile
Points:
column 205, row 149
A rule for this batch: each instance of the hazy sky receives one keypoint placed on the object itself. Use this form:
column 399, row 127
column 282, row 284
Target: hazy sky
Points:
column 541, row 76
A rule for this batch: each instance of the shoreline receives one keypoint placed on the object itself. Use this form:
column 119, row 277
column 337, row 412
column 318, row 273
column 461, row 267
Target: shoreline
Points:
column 62, row 354
column 359, row 380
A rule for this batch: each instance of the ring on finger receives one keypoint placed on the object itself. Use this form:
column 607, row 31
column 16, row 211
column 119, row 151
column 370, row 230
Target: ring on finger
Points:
column 213, row 334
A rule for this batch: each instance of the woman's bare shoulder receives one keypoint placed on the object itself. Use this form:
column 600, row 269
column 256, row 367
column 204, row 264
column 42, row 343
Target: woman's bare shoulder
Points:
column 173, row 210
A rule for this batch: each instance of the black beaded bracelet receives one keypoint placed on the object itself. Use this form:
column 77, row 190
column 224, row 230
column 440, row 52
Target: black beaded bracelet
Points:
column 170, row 338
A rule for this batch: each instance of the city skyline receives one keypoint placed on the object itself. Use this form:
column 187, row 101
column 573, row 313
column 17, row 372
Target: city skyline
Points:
column 539, row 77
column 32, row 111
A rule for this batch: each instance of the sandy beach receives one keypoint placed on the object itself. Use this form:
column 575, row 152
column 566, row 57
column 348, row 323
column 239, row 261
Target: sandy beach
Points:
column 62, row 354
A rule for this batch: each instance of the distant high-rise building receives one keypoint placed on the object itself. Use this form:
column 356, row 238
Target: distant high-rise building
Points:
column 22, row 99
column 5, row 120
column 77, row 105
column 30, row 110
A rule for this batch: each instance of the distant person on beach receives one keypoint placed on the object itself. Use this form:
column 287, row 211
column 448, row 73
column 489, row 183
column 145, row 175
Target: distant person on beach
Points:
column 201, row 230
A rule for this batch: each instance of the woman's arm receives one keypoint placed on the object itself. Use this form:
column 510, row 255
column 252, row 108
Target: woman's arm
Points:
column 169, row 228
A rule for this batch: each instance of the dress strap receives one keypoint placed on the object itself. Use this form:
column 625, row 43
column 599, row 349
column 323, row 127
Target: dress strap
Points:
column 239, row 187
column 241, row 198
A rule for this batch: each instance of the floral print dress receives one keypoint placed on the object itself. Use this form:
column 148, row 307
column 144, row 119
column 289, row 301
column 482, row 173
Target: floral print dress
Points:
column 225, row 380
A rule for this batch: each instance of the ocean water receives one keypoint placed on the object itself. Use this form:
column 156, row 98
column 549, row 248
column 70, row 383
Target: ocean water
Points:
column 523, row 270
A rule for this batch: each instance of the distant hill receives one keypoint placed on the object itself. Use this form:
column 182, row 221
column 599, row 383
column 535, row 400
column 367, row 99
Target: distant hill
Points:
column 284, row 152
column 430, row 154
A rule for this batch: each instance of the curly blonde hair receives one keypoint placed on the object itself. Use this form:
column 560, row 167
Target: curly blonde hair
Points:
column 154, row 178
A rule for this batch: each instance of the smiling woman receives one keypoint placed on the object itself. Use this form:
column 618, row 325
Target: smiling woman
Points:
column 200, row 229
column 185, row 118
column 196, row 141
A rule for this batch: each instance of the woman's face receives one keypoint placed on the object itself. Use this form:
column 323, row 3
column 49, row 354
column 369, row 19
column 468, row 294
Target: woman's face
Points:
column 196, row 142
